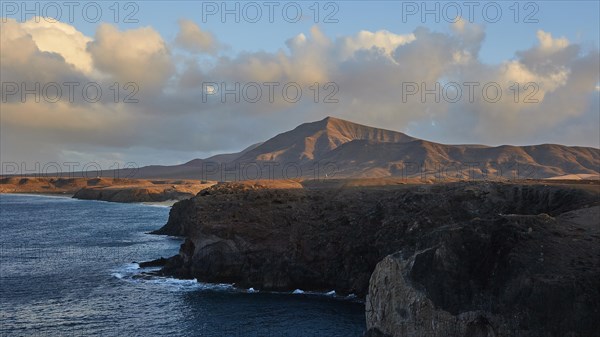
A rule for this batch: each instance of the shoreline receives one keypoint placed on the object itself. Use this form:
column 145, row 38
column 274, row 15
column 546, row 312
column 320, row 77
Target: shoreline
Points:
column 358, row 241
column 232, row 287
column 166, row 203
column 41, row 194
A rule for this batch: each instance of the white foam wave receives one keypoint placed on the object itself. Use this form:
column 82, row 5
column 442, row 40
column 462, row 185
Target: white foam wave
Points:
column 131, row 273
column 178, row 284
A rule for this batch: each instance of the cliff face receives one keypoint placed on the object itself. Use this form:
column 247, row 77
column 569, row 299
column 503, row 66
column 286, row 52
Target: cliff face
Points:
column 324, row 239
column 521, row 275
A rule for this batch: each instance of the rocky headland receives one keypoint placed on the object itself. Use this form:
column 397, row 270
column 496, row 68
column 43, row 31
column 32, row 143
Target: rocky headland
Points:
column 455, row 259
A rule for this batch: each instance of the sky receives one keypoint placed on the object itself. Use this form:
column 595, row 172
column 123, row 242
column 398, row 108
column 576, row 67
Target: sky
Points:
column 157, row 82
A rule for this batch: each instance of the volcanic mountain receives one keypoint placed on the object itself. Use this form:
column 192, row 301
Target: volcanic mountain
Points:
column 335, row 147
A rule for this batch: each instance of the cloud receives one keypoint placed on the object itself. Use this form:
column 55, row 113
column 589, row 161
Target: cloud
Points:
column 138, row 55
column 365, row 40
column 171, row 122
column 60, row 38
column 543, row 89
column 549, row 44
column 25, row 60
column 195, row 40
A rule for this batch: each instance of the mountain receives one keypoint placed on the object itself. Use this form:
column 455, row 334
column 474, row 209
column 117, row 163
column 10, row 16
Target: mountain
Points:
column 338, row 148
column 311, row 141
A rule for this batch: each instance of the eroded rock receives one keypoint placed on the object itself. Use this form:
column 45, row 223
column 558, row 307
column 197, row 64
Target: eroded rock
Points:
column 332, row 239
column 492, row 279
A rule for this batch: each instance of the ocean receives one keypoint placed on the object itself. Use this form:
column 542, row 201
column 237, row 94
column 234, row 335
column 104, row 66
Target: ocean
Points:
column 69, row 268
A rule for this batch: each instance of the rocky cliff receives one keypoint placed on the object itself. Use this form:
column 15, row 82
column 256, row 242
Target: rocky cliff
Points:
column 517, row 275
column 457, row 259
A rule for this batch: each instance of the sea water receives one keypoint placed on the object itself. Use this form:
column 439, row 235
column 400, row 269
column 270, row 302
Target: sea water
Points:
column 68, row 268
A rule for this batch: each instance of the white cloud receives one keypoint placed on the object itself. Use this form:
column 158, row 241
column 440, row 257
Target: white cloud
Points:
column 22, row 59
column 383, row 39
column 549, row 44
column 60, row 38
column 137, row 55
column 192, row 38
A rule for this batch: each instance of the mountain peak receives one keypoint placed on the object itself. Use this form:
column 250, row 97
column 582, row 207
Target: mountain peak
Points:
column 330, row 121
column 310, row 141
column 347, row 128
column 366, row 151
column 333, row 119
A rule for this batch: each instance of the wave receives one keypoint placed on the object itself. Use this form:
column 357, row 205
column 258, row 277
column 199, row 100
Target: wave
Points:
column 131, row 272
column 331, row 293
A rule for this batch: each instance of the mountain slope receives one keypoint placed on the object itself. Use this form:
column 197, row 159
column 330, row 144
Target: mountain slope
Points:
column 354, row 150
column 421, row 158
column 310, row 141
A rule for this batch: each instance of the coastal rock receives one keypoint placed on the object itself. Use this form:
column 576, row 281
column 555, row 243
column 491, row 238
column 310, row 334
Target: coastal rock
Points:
column 130, row 194
column 154, row 263
column 143, row 191
column 516, row 276
column 374, row 332
column 332, row 239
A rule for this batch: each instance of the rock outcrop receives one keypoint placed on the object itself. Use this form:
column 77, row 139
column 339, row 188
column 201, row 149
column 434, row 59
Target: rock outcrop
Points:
column 137, row 193
column 518, row 275
column 324, row 239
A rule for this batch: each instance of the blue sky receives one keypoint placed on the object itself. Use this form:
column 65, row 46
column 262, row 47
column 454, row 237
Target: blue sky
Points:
column 576, row 20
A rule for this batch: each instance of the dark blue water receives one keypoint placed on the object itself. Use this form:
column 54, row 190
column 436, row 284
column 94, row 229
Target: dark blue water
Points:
column 66, row 270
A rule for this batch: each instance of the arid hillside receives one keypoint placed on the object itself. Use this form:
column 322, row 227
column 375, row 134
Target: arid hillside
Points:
column 338, row 148
column 106, row 189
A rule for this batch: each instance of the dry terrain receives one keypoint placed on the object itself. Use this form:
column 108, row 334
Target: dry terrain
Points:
column 336, row 148
column 107, row 189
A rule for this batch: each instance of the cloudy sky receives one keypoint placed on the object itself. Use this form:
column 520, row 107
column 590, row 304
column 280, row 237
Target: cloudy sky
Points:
column 184, row 80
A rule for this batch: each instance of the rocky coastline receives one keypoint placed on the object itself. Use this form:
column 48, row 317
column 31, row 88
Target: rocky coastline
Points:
column 456, row 259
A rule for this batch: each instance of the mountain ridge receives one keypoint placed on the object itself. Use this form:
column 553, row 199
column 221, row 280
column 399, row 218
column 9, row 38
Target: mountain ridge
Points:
column 354, row 150
column 309, row 140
